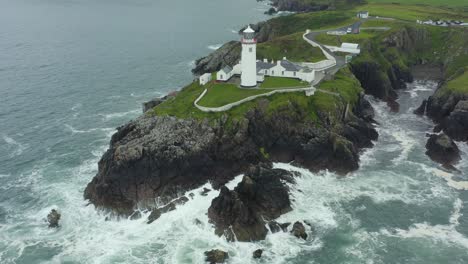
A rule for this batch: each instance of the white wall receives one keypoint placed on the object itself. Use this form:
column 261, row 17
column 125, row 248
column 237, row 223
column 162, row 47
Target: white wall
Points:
column 249, row 65
column 205, row 78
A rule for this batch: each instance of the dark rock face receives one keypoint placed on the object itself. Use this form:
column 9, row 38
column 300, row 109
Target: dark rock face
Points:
column 450, row 111
column 442, row 149
column 152, row 103
column 53, row 218
column 216, row 256
column 226, row 55
column 276, row 227
column 298, row 230
column 257, row 253
column 240, row 214
column 160, row 157
column 421, row 110
column 456, row 124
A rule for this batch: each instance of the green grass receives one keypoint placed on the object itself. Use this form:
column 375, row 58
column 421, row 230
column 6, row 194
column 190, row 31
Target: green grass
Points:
column 411, row 12
column 220, row 94
column 293, row 46
column 442, row 3
column 459, row 84
column 333, row 40
column 278, row 82
column 381, row 23
column 345, row 84
column 299, row 23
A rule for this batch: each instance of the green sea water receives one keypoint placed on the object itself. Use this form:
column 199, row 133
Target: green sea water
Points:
column 71, row 71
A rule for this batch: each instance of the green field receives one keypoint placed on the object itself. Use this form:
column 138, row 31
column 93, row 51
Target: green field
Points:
column 459, row 84
column 333, row 40
column 412, row 12
column 278, row 82
column 443, row 3
column 293, row 46
column 220, row 94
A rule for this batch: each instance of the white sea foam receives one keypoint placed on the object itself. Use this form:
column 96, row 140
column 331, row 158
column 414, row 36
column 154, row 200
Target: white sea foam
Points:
column 15, row 147
column 79, row 131
column 214, row 47
column 120, row 114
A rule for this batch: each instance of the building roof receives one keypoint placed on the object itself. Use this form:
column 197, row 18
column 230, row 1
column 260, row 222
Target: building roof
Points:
column 249, row 30
column 289, row 66
column 227, row 69
column 349, row 45
column 261, row 65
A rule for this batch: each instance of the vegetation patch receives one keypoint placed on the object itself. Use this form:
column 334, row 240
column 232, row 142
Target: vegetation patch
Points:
column 220, row 94
column 334, row 40
column 411, row 12
column 459, row 83
column 293, row 46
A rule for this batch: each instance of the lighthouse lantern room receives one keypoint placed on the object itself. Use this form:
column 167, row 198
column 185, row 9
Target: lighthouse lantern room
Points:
column 249, row 58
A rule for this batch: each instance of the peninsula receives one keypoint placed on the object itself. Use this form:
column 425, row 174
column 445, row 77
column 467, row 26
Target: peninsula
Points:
column 294, row 89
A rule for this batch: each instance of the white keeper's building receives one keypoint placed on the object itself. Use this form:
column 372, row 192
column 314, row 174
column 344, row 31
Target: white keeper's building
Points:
column 253, row 71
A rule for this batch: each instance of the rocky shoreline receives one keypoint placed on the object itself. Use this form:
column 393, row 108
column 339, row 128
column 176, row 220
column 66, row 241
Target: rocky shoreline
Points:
column 162, row 157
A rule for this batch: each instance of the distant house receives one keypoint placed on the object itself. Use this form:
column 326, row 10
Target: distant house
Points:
column 346, row 47
column 224, row 74
column 205, row 78
column 363, row 14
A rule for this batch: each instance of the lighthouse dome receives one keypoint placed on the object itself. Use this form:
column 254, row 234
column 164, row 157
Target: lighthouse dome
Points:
column 249, row 30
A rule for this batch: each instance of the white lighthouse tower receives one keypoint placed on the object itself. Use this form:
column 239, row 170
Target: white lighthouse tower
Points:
column 249, row 58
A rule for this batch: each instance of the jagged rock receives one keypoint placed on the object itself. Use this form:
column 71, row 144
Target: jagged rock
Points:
column 53, row 218
column 442, row 149
column 226, row 55
column 197, row 221
column 257, row 253
column 271, row 11
column 154, row 215
column 364, row 110
column 152, row 103
column 161, row 157
column 298, row 230
column 277, row 227
column 240, row 214
column 216, row 256
column 421, row 110
column 456, row 124
column 205, row 191
column 136, row 215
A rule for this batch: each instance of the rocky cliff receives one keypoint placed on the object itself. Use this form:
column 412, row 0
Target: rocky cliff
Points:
column 161, row 157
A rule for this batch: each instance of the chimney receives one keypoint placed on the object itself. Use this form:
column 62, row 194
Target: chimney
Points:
column 284, row 58
column 265, row 60
column 278, row 62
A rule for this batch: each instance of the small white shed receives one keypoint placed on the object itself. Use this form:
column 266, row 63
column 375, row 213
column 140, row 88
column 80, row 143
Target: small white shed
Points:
column 205, row 78
column 363, row 14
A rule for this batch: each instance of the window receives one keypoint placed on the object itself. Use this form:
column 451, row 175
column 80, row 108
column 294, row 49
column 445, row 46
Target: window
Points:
column 266, row 71
column 250, row 49
column 221, row 76
column 282, row 73
column 272, row 72
column 294, row 73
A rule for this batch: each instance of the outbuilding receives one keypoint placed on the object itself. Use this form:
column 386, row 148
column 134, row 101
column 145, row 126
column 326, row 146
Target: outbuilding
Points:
column 224, row 74
column 363, row 14
column 205, row 78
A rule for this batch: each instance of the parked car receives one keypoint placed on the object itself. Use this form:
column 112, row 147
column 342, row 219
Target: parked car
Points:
column 349, row 30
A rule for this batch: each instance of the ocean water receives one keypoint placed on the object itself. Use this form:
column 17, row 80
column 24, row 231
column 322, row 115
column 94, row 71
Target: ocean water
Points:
column 71, row 71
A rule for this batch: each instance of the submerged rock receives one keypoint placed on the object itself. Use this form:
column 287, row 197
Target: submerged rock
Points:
column 298, row 230
column 136, row 215
column 442, row 149
column 240, row 214
column 257, row 253
column 216, row 256
column 53, row 218
column 154, row 215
